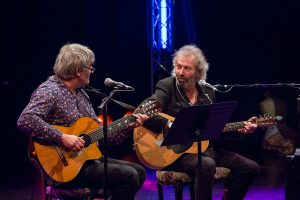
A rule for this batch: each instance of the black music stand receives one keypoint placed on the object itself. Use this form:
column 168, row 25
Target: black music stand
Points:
column 198, row 123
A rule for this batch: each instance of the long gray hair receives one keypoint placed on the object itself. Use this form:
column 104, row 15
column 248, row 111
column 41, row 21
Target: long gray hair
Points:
column 201, row 63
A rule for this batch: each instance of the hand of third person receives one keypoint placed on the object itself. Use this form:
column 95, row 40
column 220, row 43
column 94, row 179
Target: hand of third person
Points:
column 249, row 126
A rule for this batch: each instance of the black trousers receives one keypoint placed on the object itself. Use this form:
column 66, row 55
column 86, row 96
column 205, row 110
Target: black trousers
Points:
column 243, row 172
column 124, row 178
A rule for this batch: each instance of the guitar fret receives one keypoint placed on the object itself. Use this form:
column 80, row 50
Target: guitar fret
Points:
column 233, row 126
column 144, row 139
column 124, row 122
column 68, row 170
column 116, row 126
column 91, row 132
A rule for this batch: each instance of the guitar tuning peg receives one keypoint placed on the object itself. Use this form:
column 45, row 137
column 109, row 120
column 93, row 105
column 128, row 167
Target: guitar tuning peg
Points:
column 279, row 118
column 265, row 116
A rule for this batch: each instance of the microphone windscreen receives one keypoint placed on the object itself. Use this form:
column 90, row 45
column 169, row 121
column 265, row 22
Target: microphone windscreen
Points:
column 108, row 82
column 202, row 83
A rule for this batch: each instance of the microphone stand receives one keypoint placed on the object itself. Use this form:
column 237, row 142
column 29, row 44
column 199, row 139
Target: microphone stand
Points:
column 298, row 117
column 263, row 85
column 277, row 85
column 120, row 103
column 103, row 108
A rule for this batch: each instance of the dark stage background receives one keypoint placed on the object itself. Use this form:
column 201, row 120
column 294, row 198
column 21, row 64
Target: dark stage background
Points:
column 250, row 41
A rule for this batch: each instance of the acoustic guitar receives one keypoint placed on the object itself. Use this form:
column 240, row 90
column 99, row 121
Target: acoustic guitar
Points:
column 151, row 154
column 63, row 165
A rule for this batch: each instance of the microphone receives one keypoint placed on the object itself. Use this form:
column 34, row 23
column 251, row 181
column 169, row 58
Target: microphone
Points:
column 203, row 83
column 111, row 83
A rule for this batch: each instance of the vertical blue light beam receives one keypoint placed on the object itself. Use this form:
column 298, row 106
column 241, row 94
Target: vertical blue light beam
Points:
column 163, row 19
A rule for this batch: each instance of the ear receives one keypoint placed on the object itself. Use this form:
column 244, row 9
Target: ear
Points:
column 78, row 72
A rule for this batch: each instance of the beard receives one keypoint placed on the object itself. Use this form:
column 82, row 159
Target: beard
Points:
column 185, row 83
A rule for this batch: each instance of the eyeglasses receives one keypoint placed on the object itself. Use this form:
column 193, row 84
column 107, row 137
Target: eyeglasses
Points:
column 93, row 69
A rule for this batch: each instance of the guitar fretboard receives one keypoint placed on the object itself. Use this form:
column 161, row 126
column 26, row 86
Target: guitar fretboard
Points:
column 149, row 109
column 260, row 122
column 233, row 126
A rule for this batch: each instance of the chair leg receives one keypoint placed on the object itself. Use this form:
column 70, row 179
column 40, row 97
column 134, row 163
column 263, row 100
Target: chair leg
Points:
column 160, row 191
column 192, row 192
column 178, row 191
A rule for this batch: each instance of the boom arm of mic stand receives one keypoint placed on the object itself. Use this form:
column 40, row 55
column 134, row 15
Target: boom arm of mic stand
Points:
column 120, row 103
column 261, row 85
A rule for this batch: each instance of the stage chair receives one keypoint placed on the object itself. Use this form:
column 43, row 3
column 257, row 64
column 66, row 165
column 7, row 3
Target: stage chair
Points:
column 52, row 192
column 178, row 180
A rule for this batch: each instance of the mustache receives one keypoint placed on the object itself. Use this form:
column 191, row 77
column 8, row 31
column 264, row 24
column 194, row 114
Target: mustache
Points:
column 185, row 82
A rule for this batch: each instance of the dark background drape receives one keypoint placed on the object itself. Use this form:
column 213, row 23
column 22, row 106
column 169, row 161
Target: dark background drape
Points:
column 250, row 41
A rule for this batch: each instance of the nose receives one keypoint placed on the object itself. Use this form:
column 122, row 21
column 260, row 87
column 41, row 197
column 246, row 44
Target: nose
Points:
column 181, row 71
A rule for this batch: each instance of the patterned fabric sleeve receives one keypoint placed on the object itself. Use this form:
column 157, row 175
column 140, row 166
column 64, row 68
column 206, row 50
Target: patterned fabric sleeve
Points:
column 32, row 122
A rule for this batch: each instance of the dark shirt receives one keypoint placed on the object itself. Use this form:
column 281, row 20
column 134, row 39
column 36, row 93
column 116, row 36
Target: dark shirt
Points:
column 172, row 98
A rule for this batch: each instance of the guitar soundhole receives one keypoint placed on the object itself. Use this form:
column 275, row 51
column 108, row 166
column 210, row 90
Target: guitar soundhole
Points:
column 87, row 139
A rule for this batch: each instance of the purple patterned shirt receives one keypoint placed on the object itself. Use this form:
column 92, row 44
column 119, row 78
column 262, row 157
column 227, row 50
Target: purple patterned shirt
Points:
column 52, row 103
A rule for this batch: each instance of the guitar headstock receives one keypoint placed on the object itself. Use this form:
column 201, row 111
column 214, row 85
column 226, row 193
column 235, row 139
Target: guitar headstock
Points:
column 150, row 108
column 267, row 120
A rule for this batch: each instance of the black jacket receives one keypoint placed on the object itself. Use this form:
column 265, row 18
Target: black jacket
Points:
column 172, row 98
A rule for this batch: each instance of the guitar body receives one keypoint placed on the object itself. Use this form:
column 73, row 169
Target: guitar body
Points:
column 152, row 155
column 50, row 156
column 62, row 165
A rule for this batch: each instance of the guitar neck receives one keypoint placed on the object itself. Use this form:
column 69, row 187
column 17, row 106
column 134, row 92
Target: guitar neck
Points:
column 116, row 126
column 150, row 109
column 233, row 126
column 264, row 121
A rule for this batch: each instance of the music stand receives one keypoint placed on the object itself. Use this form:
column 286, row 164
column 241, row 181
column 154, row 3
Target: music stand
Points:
column 198, row 123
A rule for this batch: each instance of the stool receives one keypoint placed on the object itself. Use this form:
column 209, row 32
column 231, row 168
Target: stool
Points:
column 179, row 179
